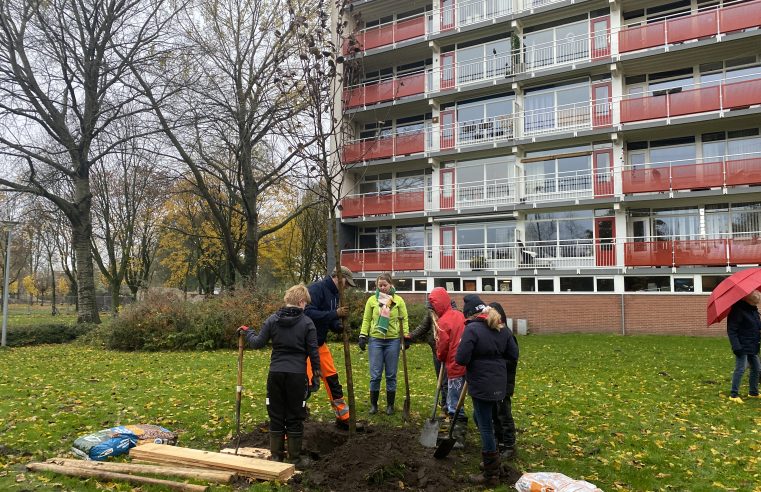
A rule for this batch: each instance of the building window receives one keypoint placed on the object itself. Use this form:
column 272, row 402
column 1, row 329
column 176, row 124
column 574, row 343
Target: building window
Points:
column 487, row 284
column 450, row 284
column 577, row 284
column 505, row 285
column 403, row 284
column 421, row 285
column 647, row 284
column 686, row 284
column 528, row 284
column 709, row 282
column 469, row 285
column 605, row 285
column 545, row 285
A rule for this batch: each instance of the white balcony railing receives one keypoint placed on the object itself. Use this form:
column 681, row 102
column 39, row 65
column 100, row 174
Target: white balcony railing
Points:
column 718, row 249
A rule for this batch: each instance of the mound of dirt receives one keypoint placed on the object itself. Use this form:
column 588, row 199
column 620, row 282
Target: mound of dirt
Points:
column 379, row 459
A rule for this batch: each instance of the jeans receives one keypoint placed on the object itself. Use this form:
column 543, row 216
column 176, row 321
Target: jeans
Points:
column 454, row 388
column 741, row 361
column 482, row 412
column 383, row 354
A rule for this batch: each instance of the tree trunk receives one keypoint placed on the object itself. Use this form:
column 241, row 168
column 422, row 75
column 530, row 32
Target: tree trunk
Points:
column 115, row 289
column 81, row 226
column 53, row 310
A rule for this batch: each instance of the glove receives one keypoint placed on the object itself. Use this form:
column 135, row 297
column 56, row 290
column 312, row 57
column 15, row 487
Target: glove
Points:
column 362, row 342
column 407, row 343
column 242, row 330
column 342, row 312
column 316, row 375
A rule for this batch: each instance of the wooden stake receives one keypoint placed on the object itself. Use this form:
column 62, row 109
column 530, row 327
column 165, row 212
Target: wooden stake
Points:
column 109, row 476
column 132, row 468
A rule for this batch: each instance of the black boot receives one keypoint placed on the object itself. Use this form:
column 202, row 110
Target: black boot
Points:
column 294, row 452
column 374, row 395
column 390, row 397
column 277, row 446
column 490, row 475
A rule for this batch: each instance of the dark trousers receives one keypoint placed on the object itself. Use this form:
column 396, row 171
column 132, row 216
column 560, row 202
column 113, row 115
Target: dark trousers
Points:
column 286, row 394
column 504, row 425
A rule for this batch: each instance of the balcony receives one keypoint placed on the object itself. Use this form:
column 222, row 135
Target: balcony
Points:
column 474, row 132
column 385, row 90
column 725, row 250
column 711, row 21
column 384, row 260
column 586, row 115
column 729, row 94
column 729, row 170
column 387, row 34
column 384, row 147
column 560, row 255
column 412, row 200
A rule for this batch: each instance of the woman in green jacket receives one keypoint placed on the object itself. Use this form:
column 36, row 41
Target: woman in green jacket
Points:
column 385, row 314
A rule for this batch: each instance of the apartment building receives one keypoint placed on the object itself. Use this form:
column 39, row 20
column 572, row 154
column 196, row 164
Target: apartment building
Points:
column 588, row 152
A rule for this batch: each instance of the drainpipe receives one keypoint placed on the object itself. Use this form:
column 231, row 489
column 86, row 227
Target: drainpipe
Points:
column 623, row 316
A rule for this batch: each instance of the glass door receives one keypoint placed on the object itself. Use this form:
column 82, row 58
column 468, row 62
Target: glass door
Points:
column 601, row 105
column 603, row 169
column 447, row 248
column 447, row 14
column 448, row 69
column 599, row 38
column 605, row 249
column 447, row 196
column 447, row 129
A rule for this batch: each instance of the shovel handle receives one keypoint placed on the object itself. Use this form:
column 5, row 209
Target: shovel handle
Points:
column 438, row 390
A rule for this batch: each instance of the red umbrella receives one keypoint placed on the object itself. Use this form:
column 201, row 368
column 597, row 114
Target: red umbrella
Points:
column 731, row 290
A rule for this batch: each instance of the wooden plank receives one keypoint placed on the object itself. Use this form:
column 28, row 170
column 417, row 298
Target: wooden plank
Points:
column 109, row 476
column 211, row 466
column 261, row 453
column 215, row 476
column 252, row 467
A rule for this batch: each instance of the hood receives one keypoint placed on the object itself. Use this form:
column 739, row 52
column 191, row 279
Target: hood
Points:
column 289, row 315
column 440, row 302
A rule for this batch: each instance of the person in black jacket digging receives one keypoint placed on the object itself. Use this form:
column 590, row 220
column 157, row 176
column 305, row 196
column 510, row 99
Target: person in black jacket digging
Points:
column 294, row 338
column 744, row 331
column 484, row 349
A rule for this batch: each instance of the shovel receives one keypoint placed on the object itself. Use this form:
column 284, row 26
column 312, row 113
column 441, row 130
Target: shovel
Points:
column 447, row 444
column 406, row 408
column 239, row 389
column 430, row 432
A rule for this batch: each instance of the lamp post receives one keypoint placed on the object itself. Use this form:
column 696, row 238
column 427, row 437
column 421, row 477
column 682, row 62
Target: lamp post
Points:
column 9, row 228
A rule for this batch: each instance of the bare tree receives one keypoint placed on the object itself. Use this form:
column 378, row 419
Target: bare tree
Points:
column 63, row 65
column 324, row 68
column 228, row 117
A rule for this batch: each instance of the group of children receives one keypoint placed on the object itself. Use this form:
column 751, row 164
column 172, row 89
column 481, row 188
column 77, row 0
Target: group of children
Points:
column 472, row 345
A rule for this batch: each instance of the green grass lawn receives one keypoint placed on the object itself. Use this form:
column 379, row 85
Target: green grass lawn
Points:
column 633, row 413
column 20, row 315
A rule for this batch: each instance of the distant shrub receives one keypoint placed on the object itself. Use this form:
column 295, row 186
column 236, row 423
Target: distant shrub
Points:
column 153, row 324
column 47, row 333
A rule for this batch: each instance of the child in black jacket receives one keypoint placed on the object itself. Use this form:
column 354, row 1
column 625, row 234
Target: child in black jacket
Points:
column 294, row 338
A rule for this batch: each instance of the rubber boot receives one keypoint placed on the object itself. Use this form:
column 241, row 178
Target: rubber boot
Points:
column 374, row 395
column 390, row 397
column 294, row 452
column 277, row 446
column 490, row 476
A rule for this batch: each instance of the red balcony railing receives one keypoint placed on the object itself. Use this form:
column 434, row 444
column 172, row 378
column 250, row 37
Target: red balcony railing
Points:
column 387, row 34
column 385, row 90
column 729, row 94
column 403, row 143
column 383, row 204
column 375, row 260
column 670, row 252
column 703, row 23
column 731, row 170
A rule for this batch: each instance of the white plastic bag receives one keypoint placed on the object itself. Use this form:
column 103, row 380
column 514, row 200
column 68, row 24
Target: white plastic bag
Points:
column 552, row 482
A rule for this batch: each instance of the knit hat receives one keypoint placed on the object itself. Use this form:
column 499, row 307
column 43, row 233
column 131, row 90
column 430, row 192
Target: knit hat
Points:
column 500, row 310
column 472, row 305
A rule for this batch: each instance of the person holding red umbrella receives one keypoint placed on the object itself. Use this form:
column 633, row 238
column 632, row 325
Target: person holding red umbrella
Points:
column 744, row 331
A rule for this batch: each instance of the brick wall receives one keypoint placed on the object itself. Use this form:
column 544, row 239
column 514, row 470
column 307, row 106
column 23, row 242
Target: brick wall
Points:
column 657, row 314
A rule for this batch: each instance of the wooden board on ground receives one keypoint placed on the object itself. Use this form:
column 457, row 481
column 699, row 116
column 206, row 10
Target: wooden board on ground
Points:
column 111, row 477
column 261, row 453
column 250, row 467
column 215, row 476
